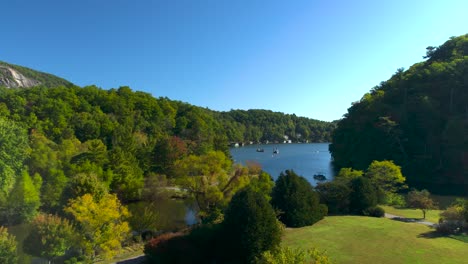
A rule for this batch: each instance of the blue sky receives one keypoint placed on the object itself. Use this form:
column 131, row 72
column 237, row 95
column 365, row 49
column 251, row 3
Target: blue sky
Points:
column 311, row 58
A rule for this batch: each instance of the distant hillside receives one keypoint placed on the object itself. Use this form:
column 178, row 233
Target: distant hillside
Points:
column 418, row 118
column 14, row 76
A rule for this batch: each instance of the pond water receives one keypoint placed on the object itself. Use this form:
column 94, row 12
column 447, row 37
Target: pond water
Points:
column 305, row 159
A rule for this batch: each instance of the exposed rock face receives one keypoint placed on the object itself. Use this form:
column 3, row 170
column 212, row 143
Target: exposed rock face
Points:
column 13, row 79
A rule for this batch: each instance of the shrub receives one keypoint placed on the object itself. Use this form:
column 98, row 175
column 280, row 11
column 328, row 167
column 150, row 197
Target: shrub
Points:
column 374, row 211
column 286, row 255
column 450, row 227
column 363, row 195
column 335, row 195
column 452, row 220
column 296, row 199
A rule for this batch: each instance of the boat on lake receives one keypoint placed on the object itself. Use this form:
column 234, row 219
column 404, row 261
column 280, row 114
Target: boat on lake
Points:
column 320, row 177
column 276, row 150
column 260, row 150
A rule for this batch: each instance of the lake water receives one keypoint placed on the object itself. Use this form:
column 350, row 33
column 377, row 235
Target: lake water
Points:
column 305, row 159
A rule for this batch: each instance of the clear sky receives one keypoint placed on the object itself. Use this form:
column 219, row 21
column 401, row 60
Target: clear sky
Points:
column 311, row 58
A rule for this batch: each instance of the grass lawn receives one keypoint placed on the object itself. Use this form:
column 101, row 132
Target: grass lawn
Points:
column 356, row 239
column 431, row 215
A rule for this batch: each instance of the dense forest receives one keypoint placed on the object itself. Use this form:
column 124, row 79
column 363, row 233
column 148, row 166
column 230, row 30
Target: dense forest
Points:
column 104, row 159
column 418, row 118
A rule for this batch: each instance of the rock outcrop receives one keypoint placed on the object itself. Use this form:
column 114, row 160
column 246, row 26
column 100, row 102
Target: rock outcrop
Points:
column 13, row 79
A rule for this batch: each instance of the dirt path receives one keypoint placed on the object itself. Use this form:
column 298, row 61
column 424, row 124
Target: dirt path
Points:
column 409, row 220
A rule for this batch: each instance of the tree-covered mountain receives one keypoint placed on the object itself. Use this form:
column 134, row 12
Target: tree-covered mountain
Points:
column 418, row 118
column 117, row 137
column 14, row 76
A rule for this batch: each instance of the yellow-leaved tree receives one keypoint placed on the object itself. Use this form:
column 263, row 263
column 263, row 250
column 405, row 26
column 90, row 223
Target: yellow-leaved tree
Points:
column 101, row 224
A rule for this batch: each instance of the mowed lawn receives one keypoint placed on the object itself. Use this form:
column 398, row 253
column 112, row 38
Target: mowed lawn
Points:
column 355, row 239
column 431, row 215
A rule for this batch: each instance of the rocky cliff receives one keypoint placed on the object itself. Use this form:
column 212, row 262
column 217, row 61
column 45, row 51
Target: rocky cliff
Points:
column 13, row 79
column 14, row 76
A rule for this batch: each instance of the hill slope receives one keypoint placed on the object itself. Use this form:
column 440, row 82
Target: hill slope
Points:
column 14, row 76
column 418, row 118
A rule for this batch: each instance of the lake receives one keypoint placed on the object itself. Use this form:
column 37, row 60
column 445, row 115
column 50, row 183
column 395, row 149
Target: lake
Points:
column 305, row 159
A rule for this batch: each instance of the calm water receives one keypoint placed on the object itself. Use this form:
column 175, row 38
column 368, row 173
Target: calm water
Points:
column 305, row 159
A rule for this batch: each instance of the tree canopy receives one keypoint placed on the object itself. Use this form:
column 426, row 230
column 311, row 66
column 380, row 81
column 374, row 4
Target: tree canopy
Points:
column 296, row 200
column 417, row 118
column 250, row 226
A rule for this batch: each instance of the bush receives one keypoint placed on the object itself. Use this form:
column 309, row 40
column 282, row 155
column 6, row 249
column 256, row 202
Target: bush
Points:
column 296, row 199
column 363, row 195
column 374, row 211
column 286, row 255
column 335, row 195
column 450, row 227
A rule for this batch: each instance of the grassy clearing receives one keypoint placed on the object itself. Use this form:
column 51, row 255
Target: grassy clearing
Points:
column 355, row 239
column 431, row 215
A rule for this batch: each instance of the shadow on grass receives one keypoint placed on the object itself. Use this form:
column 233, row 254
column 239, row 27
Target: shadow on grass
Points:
column 435, row 234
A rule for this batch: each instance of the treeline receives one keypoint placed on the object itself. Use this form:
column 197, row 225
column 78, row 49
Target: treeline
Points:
column 265, row 125
column 418, row 118
column 94, row 164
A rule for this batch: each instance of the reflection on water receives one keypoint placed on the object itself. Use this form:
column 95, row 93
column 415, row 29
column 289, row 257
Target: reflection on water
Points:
column 166, row 214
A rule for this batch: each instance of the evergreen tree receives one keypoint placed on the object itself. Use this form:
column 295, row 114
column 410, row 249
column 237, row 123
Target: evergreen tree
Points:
column 296, row 200
column 250, row 226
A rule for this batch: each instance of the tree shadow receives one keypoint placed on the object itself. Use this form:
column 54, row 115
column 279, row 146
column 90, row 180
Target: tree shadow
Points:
column 406, row 220
column 434, row 234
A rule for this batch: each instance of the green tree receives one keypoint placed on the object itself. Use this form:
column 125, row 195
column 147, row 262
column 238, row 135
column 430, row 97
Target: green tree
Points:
column 14, row 149
column 23, row 201
column 420, row 200
column 263, row 184
column 101, row 224
column 349, row 174
column 211, row 182
column 297, row 201
column 52, row 190
column 363, row 195
column 85, row 183
column 8, row 253
column 50, row 237
column 250, row 226
column 166, row 152
column 386, row 176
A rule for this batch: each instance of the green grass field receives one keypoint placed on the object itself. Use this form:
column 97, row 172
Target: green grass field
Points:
column 355, row 239
column 431, row 215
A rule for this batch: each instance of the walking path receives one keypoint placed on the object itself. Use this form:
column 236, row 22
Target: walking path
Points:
column 409, row 220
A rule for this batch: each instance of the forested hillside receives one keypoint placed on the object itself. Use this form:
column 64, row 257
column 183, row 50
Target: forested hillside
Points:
column 104, row 160
column 122, row 136
column 418, row 118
